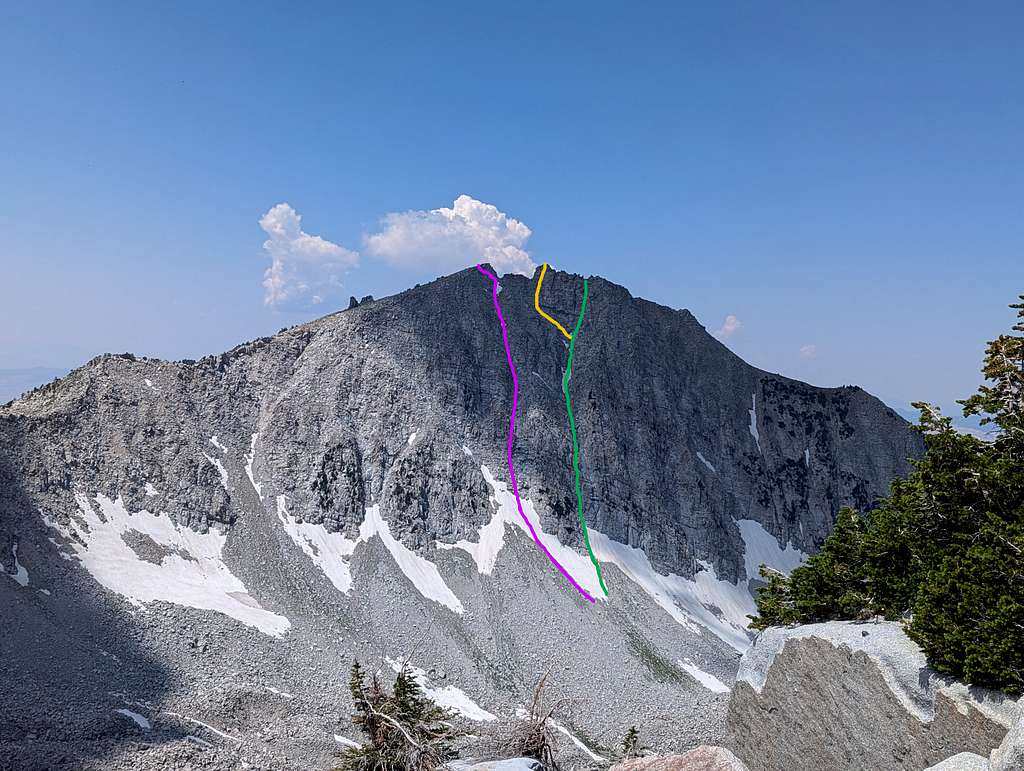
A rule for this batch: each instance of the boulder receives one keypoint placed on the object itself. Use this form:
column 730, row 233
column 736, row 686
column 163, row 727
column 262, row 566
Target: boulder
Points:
column 849, row 695
column 703, row 758
column 963, row 761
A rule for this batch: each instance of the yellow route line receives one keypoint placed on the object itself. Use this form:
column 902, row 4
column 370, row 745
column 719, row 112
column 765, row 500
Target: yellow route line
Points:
column 536, row 302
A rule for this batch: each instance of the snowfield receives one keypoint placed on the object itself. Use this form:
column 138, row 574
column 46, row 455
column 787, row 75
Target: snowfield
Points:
column 190, row 571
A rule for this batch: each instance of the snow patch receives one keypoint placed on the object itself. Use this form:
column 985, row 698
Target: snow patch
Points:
column 753, row 421
column 706, row 679
column 491, row 537
column 140, row 721
column 329, row 551
column 412, row 438
column 151, row 491
column 258, row 487
column 220, row 469
column 422, row 572
column 332, row 552
column 469, row 452
column 275, row 691
column 207, row 726
column 191, row 574
column 149, row 384
column 807, row 457
column 584, row 748
column 346, row 742
column 706, row 462
column 218, row 445
column 448, row 696
column 20, row 574
column 760, row 547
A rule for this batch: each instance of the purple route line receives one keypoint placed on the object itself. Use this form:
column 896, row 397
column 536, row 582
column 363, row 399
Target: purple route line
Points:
column 512, row 433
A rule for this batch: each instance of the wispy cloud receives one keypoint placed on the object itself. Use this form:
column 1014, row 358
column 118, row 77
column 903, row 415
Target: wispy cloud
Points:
column 729, row 327
column 449, row 239
column 305, row 270
column 808, row 351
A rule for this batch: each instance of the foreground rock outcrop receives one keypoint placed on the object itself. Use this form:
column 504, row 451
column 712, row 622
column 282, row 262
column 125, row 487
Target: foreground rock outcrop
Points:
column 1008, row 756
column 846, row 695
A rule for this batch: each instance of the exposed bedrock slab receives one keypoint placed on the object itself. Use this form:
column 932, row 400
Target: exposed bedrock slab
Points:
column 854, row 696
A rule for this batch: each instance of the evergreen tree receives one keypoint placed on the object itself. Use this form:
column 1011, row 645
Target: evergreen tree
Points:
column 405, row 730
column 829, row 585
column 945, row 549
column 1002, row 402
column 630, row 745
column 363, row 717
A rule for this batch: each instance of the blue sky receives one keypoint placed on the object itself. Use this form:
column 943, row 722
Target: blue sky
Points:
column 846, row 179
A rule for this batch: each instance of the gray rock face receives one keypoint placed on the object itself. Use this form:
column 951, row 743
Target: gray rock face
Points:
column 852, row 696
column 334, row 402
column 396, row 405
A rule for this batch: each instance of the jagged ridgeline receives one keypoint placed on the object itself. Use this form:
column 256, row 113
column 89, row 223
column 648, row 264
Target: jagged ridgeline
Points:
column 256, row 519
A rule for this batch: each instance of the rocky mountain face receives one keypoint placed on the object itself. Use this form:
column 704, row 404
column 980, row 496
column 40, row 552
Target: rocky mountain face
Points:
column 255, row 519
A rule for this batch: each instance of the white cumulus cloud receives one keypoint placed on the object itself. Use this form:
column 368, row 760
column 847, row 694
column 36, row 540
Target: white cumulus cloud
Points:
column 449, row 239
column 304, row 269
column 729, row 327
column 808, row 351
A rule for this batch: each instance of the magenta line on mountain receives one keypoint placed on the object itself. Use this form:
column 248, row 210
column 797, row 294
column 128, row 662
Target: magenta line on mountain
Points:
column 512, row 432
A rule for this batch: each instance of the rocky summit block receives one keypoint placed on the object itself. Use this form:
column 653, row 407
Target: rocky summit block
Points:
column 848, row 696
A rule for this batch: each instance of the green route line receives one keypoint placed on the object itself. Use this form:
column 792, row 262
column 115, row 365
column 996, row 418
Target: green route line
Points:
column 572, row 422
column 575, row 441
